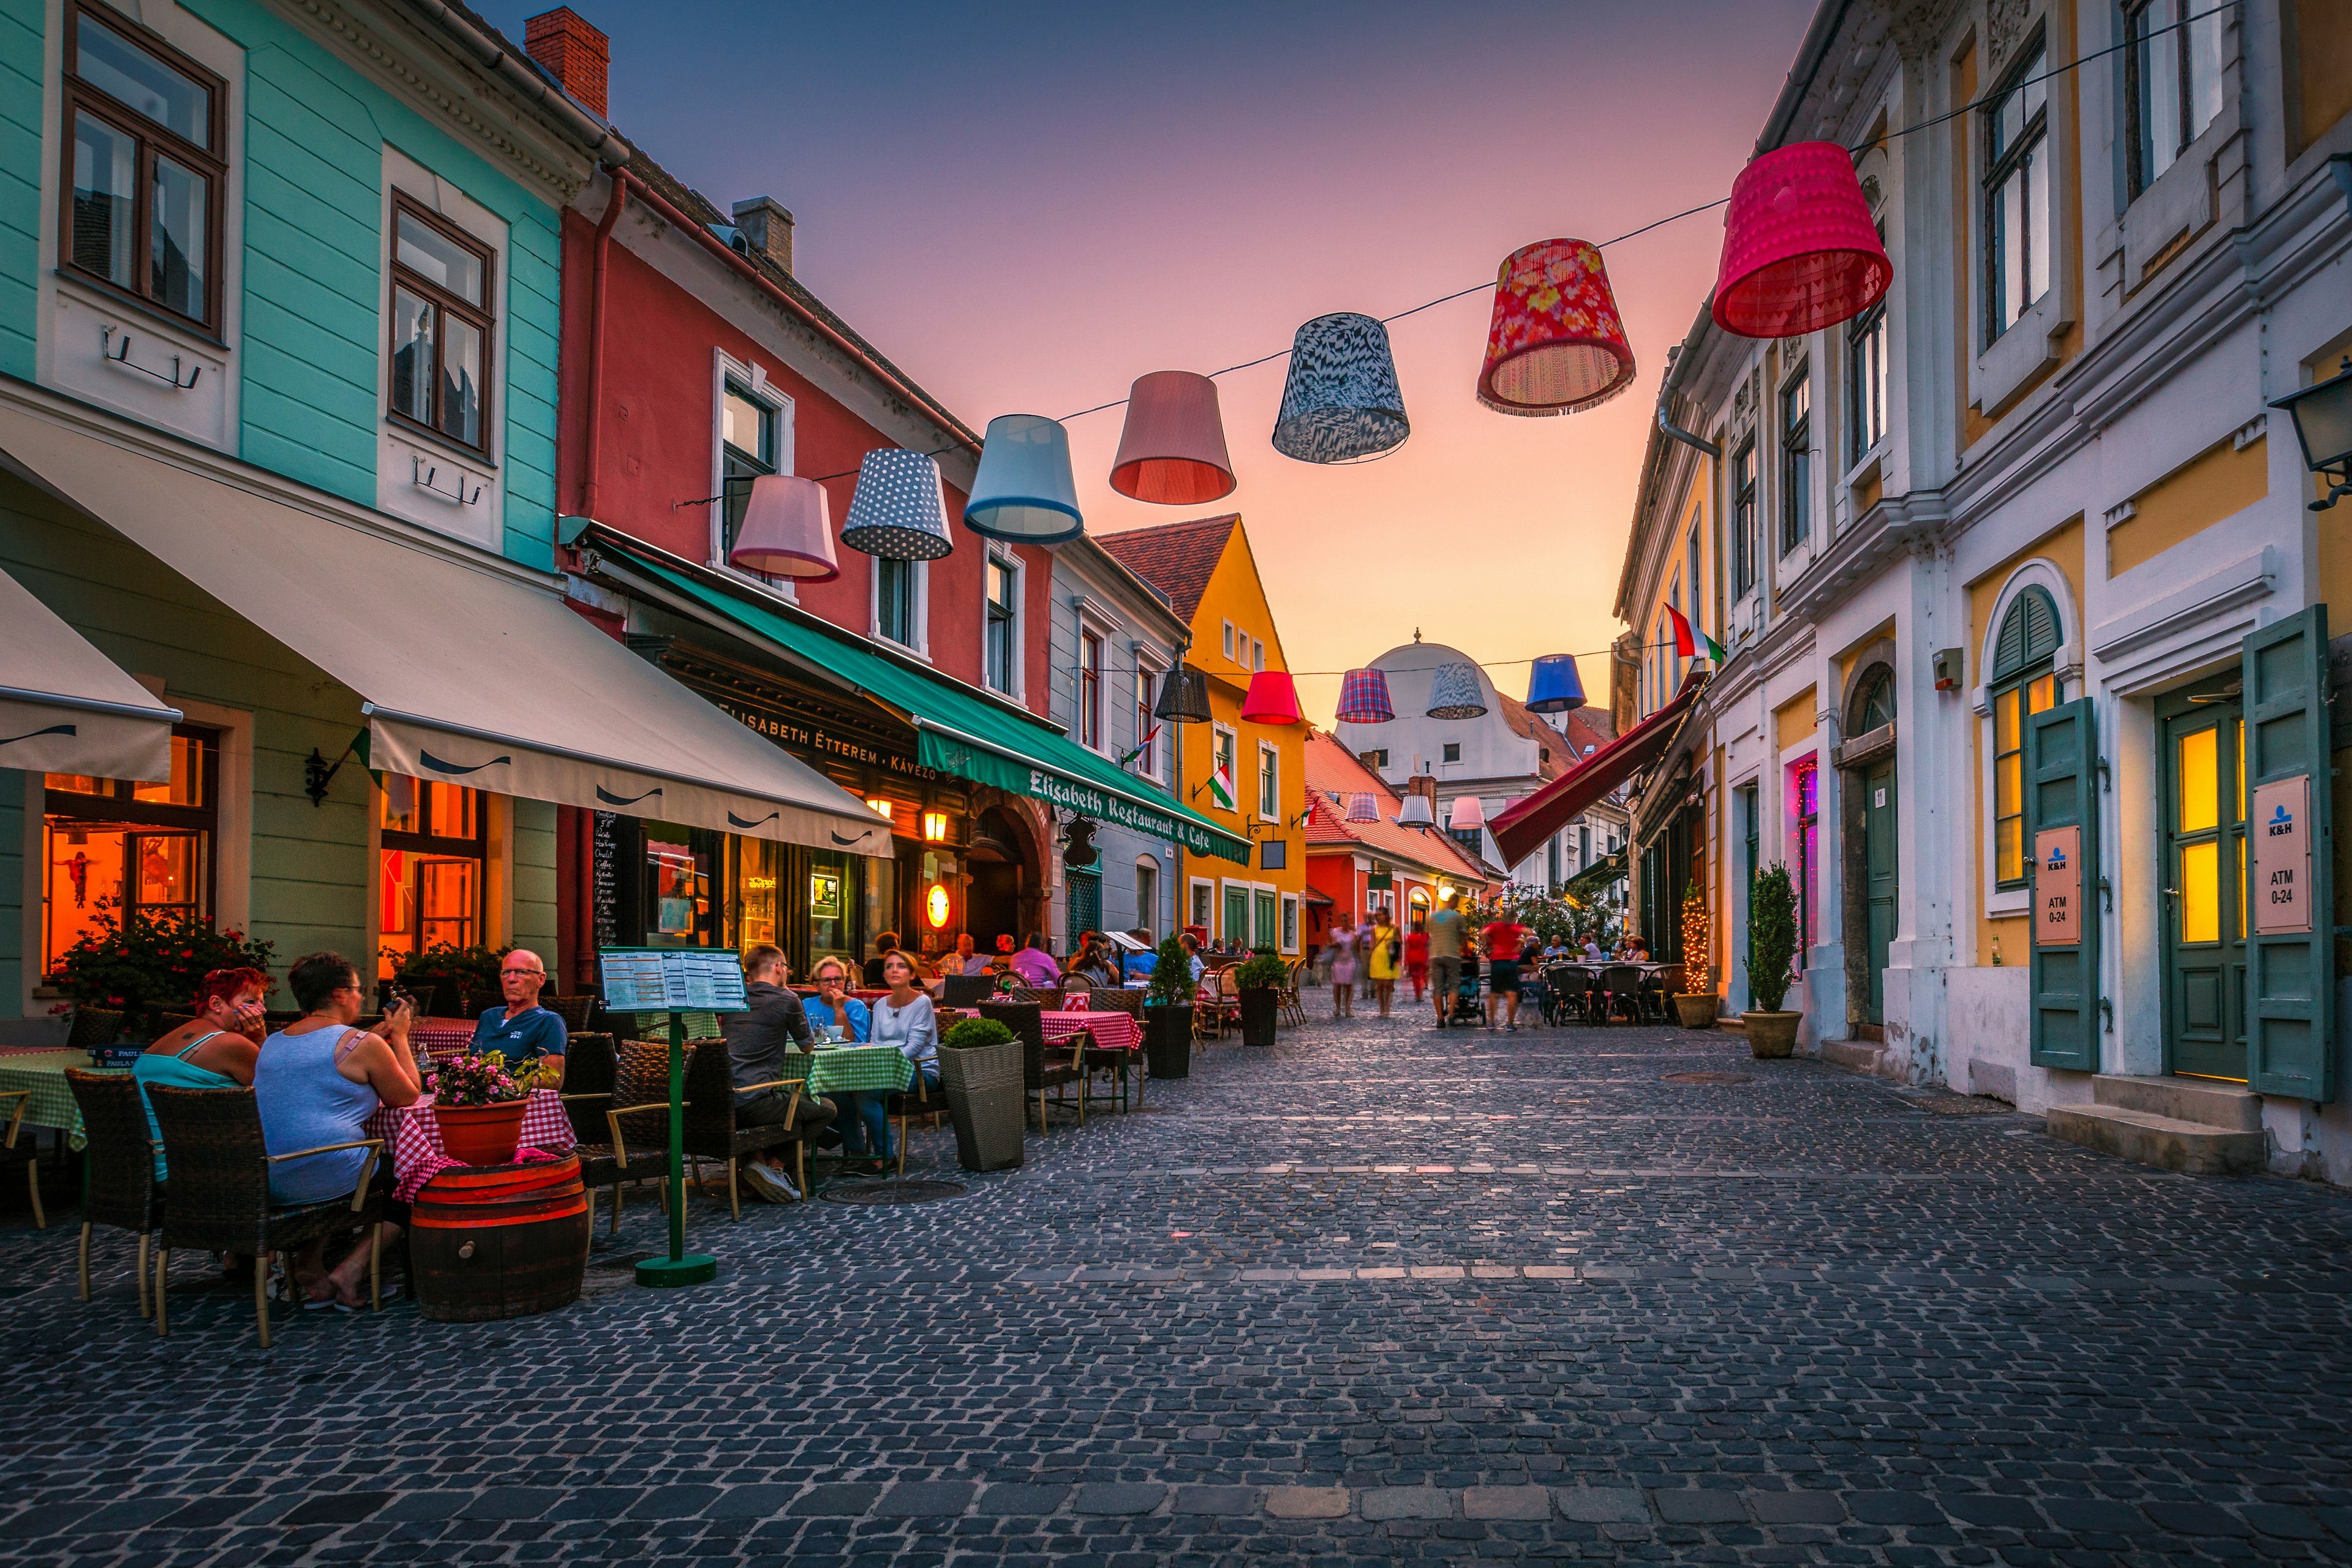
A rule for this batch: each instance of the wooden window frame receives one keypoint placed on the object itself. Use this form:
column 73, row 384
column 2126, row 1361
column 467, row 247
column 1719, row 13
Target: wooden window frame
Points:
column 2032, row 138
column 1005, row 613
column 482, row 318
column 82, row 96
column 2015, row 684
column 477, row 849
column 1796, row 462
column 732, row 503
column 121, row 806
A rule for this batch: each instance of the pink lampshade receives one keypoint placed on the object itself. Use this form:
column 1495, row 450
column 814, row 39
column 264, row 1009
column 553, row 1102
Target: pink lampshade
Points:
column 787, row 530
column 1173, row 449
column 1467, row 813
column 1272, row 698
column 1557, row 344
column 1799, row 250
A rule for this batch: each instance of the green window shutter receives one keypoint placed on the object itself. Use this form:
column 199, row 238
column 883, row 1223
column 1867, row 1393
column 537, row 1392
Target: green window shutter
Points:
column 2290, row 976
column 2029, row 633
column 2061, row 791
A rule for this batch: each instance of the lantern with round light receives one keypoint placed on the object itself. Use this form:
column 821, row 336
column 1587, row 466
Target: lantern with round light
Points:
column 937, row 906
column 1554, row 686
column 2322, row 413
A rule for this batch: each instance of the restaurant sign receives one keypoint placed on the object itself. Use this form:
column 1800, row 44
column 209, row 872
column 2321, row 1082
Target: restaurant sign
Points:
column 981, row 766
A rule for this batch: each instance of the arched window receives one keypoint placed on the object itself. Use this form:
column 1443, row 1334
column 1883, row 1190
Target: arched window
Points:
column 2023, row 683
column 1874, row 705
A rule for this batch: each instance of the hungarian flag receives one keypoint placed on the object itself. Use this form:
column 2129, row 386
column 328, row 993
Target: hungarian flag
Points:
column 1221, row 782
column 1687, row 641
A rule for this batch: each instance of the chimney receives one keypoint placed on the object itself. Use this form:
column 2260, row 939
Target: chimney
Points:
column 574, row 52
column 767, row 227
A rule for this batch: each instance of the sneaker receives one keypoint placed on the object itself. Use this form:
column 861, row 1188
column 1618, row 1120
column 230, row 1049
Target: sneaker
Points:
column 770, row 1185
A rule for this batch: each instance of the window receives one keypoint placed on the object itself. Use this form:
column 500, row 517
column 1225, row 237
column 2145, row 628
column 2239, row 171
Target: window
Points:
column 1147, row 723
column 440, row 327
column 144, row 209
column 747, row 449
column 1796, row 462
column 2017, row 210
column 1379, row 759
column 1229, row 639
column 433, row 845
column 1583, row 848
column 1551, row 862
column 1147, row 897
column 1203, row 900
column 123, row 848
column 1696, row 619
column 1290, row 922
column 1269, row 784
column 1453, row 751
column 1090, row 726
column 2023, row 684
column 1743, row 519
column 893, row 601
column 1269, row 932
column 1003, row 619
column 1258, row 654
column 1808, row 780
column 1472, row 839
column 2172, row 81
column 1866, row 362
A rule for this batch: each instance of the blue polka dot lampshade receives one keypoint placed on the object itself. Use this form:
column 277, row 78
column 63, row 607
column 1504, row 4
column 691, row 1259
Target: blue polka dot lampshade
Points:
column 899, row 510
column 1340, row 403
column 1454, row 692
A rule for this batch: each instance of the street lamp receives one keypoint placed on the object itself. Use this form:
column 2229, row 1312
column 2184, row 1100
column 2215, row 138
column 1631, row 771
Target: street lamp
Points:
column 2323, row 423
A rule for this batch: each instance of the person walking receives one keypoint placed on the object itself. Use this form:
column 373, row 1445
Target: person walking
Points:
column 1416, row 954
column 1383, row 958
column 1446, row 929
column 1503, row 939
column 1343, row 968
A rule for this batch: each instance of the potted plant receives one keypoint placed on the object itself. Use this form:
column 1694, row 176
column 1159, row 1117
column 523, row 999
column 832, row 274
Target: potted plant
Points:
column 980, row 1068
column 477, row 1104
column 1695, row 1003
column 1168, row 1013
column 1771, row 949
column 146, row 964
column 1259, row 978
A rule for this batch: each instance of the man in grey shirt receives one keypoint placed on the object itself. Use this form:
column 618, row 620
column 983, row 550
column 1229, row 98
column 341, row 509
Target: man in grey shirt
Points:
column 1445, row 930
column 765, row 1044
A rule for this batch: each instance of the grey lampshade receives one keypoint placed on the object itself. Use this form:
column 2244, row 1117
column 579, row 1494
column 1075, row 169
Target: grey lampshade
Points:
column 1454, row 692
column 1183, row 696
column 1340, row 403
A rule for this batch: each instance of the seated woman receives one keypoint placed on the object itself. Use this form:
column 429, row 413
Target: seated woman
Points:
column 904, row 1020
column 833, row 1008
column 216, row 1051
column 316, row 1082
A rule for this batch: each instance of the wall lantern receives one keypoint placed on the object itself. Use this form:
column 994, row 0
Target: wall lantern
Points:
column 935, row 827
column 2322, row 413
column 936, row 909
column 879, row 805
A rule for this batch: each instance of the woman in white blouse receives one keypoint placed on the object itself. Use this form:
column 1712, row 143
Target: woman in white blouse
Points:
column 905, row 1019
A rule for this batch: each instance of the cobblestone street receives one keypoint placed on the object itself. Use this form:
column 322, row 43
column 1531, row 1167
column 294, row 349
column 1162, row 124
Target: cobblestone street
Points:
column 1382, row 1292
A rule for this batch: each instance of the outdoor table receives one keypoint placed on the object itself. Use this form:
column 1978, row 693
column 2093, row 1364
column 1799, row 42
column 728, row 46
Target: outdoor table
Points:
column 414, row 1138
column 1112, row 1031
column 439, row 1038
column 42, row 1070
column 851, row 1069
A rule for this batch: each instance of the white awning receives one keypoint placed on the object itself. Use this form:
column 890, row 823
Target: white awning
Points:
column 65, row 708
column 470, row 670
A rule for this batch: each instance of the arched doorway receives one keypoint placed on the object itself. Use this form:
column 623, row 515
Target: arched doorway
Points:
column 1004, row 872
column 1872, row 877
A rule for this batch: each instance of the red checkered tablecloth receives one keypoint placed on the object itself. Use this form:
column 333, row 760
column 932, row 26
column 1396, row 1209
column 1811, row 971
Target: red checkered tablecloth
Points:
column 436, row 1039
column 414, row 1138
column 1112, row 1031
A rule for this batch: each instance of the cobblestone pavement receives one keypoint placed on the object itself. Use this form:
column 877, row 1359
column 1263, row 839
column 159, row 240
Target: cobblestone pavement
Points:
column 1382, row 1292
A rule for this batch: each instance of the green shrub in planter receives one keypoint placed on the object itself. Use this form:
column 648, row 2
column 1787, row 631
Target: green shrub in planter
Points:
column 1171, row 976
column 1265, row 968
column 1771, row 937
column 973, row 1034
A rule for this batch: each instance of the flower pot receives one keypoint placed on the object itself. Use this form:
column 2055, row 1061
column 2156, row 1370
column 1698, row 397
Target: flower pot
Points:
column 1770, row 1036
column 986, row 1100
column 481, row 1134
column 1168, row 1041
column 1261, row 1008
column 1695, row 1012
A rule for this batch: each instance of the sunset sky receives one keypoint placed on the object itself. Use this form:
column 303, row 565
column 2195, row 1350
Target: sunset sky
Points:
column 1028, row 207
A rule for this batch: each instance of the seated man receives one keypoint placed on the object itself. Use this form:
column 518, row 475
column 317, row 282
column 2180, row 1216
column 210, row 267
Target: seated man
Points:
column 1193, row 956
column 967, row 958
column 760, row 1050
column 1035, row 965
column 519, row 1028
column 833, row 1009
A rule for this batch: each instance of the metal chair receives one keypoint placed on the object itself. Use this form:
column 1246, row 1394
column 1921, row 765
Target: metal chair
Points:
column 1622, row 983
column 121, row 1191
column 1043, row 1067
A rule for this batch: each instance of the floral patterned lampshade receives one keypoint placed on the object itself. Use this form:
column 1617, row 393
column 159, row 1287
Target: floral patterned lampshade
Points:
column 899, row 510
column 787, row 530
column 1364, row 698
column 1272, row 698
column 1799, row 250
column 1557, row 344
column 1025, row 491
column 1171, row 451
column 1454, row 692
column 1554, row 686
column 1340, row 403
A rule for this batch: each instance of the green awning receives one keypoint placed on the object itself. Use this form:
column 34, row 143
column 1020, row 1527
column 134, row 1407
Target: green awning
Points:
column 961, row 733
column 1595, row 878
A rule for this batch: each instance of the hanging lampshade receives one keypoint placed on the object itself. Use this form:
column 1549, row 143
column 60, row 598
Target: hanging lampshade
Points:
column 1183, row 696
column 1272, row 698
column 1340, row 403
column 1414, row 812
column 787, row 530
column 899, row 510
column 1171, row 451
column 1025, row 491
column 1363, row 808
column 1799, row 250
column 1468, row 813
column 1364, row 698
column 1557, row 344
column 1553, row 685
column 1454, row 692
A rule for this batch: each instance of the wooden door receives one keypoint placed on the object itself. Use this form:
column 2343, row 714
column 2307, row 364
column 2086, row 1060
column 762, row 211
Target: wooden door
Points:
column 2204, row 884
column 1878, row 843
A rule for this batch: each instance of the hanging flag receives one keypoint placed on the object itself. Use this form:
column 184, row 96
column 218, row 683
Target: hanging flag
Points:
column 1221, row 782
column 1687, row 640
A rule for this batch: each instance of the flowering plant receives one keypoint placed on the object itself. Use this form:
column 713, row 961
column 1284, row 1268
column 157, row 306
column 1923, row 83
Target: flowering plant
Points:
column 483, row 1079
column 149, row 962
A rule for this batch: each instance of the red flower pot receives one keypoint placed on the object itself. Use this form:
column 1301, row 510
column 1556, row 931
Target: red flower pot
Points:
column 481, row 1134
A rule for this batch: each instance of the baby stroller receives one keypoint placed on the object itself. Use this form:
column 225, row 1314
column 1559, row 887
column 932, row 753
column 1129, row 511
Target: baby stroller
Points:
column 1466, row 1009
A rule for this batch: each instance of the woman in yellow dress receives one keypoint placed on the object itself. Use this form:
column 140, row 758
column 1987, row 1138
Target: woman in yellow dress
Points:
column 1384, row 959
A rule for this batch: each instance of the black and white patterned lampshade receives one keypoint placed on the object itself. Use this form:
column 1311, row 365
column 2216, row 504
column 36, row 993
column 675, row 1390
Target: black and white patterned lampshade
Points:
column 898, row 512
column 1340, row 403
column 1454, row 692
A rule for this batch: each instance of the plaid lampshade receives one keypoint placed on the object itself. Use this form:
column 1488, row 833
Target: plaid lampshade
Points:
column 1557, row 344
column 1363, row 807
column 1364, row 698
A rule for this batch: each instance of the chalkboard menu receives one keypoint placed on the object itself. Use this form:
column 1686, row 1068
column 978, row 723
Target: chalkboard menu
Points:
column 605, row 876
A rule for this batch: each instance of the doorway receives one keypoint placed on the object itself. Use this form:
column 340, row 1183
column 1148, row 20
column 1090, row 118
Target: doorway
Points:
column 2204, row 864
column 1873, row 855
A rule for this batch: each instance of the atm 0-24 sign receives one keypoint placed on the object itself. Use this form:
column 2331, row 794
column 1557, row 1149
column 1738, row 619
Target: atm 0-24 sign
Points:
column 2058, row 887
column 2280, row 832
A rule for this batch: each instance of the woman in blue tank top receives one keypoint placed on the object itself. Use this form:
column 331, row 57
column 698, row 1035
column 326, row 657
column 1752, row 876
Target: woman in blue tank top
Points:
column 215, row 1051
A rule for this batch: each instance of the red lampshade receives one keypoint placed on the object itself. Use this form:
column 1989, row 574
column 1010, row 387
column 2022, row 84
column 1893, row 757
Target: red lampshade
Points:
column 1799, row 250
column 1272, row 698
column 1557, row 344
column 1173, row 449
column 787, row 530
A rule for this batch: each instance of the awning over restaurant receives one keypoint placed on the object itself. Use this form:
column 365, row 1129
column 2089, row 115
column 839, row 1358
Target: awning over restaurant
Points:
column 958, row 730
column 1595, row 878
column 1521, row 830
column 470, row 670
column 65, row 708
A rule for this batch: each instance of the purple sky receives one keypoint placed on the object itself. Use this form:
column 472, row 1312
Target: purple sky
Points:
column 1028, row 207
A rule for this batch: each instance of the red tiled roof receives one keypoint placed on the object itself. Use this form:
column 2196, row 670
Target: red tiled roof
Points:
column 1332, row 775
column 1177, row 558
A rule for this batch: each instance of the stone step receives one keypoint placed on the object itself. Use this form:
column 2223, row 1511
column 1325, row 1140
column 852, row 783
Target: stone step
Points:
column 2222, row 1105
column 1859, row 1055
column 2192, row 1148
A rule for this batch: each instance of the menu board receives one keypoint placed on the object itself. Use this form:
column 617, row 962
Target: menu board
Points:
column 672, row 980
column 604, row 878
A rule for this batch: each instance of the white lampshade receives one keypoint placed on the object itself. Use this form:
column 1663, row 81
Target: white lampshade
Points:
column 787, row 530
column 1415, row 812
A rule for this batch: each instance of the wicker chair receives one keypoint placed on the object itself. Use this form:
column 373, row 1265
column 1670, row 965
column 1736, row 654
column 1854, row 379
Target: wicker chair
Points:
column 1290, row 1009
column 28, row 1155
column 966, row 990
column 1042, row 1068
column 573, row 1010
column 1106, row 999
column 640, row 1090
column 908, row 1104
column 121, row 1189
column 711, row 1132
column 588, row 1068
column 94, row 1027
column 220, row 1194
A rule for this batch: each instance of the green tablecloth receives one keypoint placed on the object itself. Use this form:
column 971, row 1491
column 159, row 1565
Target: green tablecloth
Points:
column 656, row 1025
column 855, row 1068
column 52, row 1105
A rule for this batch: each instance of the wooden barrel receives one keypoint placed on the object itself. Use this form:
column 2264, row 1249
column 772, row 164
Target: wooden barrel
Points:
column 499, row 1241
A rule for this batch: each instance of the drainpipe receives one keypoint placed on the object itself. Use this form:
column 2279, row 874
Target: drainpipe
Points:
column 591, row 447
column 1669, row 428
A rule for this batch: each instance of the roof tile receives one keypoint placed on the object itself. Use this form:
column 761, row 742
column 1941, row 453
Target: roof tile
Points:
column 1177, row 558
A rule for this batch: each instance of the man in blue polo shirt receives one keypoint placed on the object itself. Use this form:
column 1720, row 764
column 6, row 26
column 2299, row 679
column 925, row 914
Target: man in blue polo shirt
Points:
column 521, row 1028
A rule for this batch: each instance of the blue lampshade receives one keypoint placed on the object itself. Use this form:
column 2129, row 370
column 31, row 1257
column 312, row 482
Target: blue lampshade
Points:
column 1025, row 491
column 1553, row 686
column 899, row 510
column 1454, row 692
column 1340, row 403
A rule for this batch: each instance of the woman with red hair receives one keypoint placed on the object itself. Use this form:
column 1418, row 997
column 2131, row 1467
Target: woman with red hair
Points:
column 215, row 1051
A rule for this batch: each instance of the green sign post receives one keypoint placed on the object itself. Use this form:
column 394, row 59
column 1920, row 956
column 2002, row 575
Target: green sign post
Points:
column 674, row 981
